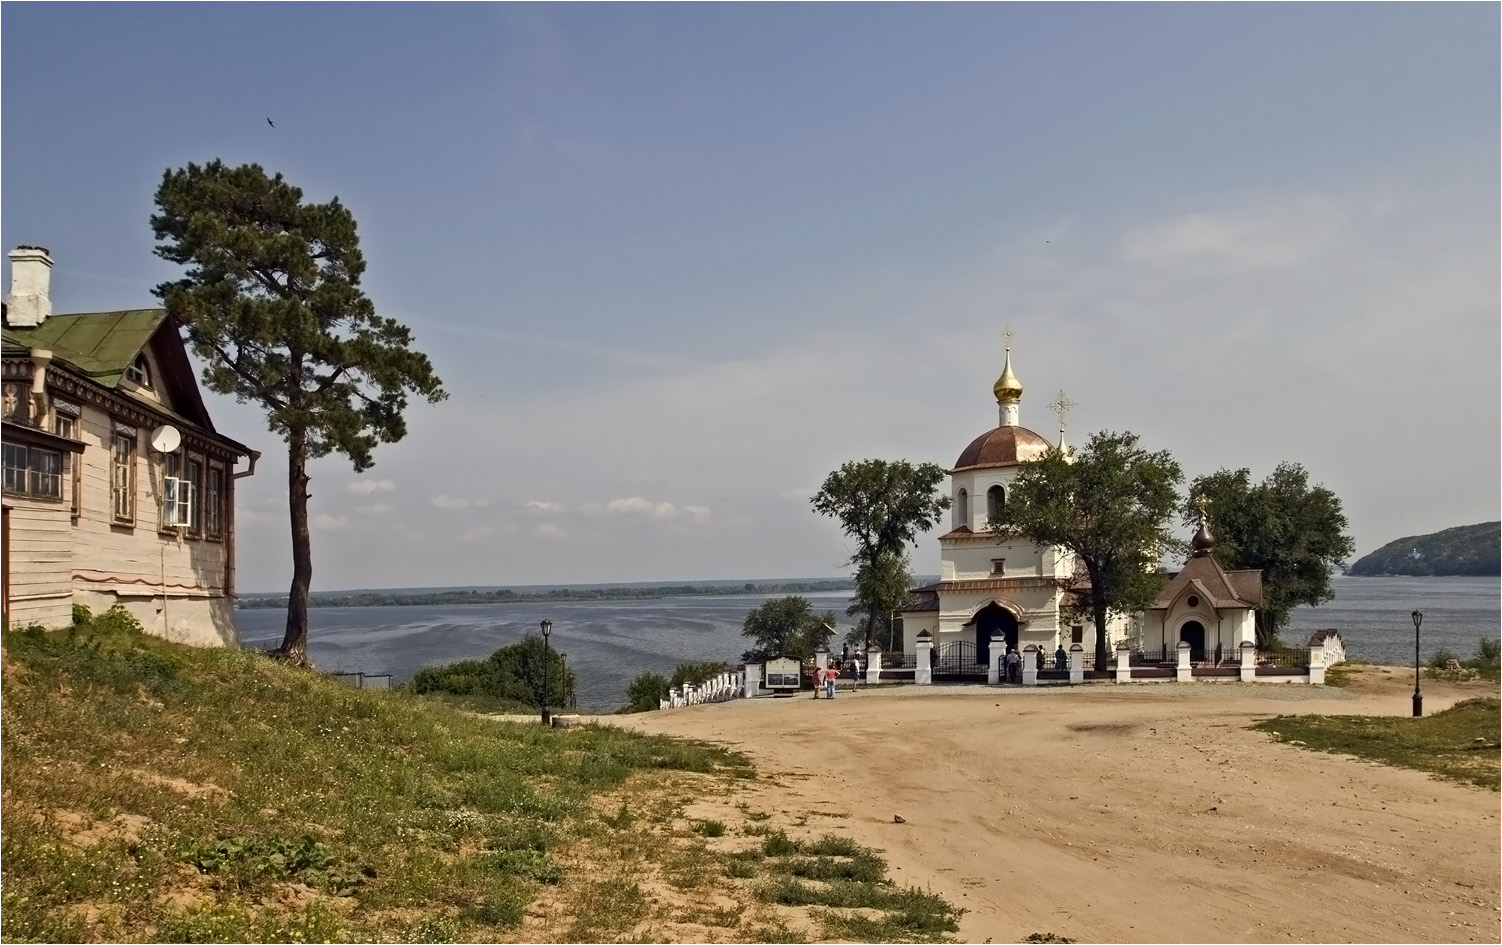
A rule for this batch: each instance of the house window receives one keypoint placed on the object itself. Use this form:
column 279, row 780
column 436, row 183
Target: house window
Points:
column 998, row 566
column 65, row 424
column 138, row 372
column 195, row 495
column 33, row 470
column 1076, row 634
column 996, row 500
column 123, row 478
column 213, row 502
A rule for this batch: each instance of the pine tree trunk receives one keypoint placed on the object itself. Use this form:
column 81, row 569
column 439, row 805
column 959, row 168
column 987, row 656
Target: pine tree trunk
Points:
column 1100, row 634
column 294, row 646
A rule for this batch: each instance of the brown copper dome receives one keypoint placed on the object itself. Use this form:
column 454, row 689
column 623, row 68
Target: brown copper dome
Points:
column 1003, row 446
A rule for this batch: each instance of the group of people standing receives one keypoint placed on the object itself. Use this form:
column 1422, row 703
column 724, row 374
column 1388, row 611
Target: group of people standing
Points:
column 1011, row 664
column 825, row 678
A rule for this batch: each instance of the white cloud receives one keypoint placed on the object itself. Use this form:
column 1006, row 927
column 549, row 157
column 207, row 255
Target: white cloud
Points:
column 246, row 516
column 374, row 508
column 661, row 511
column 550, row 531
column 538, row 505
column 477, row 533
column 1277, row 238
column 369, row 486
column 635, row 505
column 330, row 523
column 447, row 502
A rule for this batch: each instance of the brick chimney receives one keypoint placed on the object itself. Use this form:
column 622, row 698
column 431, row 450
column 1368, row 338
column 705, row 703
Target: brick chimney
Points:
column 29, row 303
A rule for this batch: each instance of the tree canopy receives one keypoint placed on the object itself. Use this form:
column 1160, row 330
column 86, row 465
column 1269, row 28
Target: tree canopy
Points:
column 1295, row 533
column 785, row 627
column 521, row 672
column 883, row 506
column 1110, row 504
column 272, row 304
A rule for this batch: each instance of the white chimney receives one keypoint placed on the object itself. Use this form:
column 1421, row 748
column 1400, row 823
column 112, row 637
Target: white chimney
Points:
column 29, row 303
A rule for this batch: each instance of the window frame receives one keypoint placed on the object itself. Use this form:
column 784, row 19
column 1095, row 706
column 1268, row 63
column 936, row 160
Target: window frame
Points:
column 65, row 413
column 23, row 474
column 998, row 567
column 123, row 475
column 213, row 500
column 195, row 493
column 139, row 372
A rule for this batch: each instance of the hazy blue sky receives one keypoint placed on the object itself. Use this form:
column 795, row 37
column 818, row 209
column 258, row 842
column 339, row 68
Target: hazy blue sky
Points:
column 676, row 263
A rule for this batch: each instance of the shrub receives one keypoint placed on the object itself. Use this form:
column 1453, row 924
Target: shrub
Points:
column 82, row 615
column 645, row 691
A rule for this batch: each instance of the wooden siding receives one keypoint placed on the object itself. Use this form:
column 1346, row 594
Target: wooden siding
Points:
column 41, row 553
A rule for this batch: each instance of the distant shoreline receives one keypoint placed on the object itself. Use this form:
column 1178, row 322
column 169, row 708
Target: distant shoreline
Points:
column 577, row 593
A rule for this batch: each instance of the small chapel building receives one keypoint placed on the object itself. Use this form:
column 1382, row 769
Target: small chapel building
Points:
column 995, row 585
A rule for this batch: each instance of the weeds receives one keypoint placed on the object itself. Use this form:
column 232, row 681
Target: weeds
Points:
column 1458, row 744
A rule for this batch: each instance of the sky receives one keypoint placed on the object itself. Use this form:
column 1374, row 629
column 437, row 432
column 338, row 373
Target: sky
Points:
column 676, row 263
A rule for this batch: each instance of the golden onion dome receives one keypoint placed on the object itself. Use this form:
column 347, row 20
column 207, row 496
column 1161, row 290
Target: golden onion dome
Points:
column 1008, row 389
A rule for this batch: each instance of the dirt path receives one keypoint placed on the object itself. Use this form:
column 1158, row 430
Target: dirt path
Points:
column 1143, row 813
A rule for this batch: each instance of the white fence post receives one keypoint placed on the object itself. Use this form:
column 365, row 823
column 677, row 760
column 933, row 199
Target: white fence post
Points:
column 1123, row 662
column 1030, row 665
column 1317, row 665
column 1076, row 664
column 923, row 672
column 1248, row 661
column 996, row 666
column 873, row 664
column 752, row 676
column 1185, row 673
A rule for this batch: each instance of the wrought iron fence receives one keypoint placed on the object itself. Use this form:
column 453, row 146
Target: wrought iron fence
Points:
column 1281, row 658
column 899, row 661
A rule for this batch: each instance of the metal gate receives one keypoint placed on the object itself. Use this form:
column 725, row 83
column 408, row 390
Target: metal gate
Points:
column 958, row 662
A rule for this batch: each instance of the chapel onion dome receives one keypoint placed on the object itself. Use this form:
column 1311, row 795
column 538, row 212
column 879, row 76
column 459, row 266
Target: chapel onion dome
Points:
column 1008, row 389
column 1203, row 542
column 1003, row 446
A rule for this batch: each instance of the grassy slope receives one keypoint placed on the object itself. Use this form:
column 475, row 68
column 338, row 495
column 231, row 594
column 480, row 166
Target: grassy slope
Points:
column 1459, row 744
column 154, row 792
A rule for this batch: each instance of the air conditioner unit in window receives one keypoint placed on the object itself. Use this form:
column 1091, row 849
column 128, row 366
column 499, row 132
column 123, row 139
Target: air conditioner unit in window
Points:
column 177, row 502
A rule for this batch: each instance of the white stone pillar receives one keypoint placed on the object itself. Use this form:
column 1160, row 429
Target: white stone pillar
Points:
column 1030, row 665
column 1317, row 665
column 752, row 675
column 996, row 669
column 1123, row 662
column 821, row 658
column 923, row 668
column 1185, row 674
column 873, row 664
column 1248, row 661
column 1076, row 664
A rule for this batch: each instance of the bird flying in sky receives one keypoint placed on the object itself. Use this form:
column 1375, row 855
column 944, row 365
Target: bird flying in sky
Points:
column 271, row 123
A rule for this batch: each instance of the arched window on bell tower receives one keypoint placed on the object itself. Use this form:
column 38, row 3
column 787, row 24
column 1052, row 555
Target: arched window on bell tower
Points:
column 962, row 509
column 996, row 500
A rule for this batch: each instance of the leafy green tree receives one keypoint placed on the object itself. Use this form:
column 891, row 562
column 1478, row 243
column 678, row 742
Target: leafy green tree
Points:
column 520, row 672
column 646, row 691
column 881, row 588
column 272, row 304
column 785, row 627
column 1110, row 504
column 883, row 506
column 1295, row 533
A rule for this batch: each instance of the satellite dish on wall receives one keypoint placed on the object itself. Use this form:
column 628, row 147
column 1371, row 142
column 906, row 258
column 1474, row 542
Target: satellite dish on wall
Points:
column 166, row 439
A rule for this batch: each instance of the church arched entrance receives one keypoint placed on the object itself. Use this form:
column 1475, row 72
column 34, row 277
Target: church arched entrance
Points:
column 993, row 620
column 1193, row 633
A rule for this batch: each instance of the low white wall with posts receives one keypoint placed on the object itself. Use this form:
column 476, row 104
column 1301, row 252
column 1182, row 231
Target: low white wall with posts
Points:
column 719, row 688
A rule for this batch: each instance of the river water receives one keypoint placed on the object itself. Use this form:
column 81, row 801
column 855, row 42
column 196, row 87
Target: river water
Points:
column 608, row 642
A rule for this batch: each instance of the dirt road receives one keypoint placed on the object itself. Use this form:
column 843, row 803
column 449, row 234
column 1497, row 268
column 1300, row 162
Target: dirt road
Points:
column 1130, row 813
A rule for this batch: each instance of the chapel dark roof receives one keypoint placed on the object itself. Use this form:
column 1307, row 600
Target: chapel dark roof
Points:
column 1003, row 446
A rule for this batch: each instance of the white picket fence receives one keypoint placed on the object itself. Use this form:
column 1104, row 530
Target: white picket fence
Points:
column 721, row 688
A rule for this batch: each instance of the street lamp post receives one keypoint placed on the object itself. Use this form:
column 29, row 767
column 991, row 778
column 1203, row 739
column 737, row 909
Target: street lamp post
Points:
column 547, row 629
column 1418, row 697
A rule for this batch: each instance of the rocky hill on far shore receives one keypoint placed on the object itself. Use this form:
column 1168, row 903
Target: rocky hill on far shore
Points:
column 1463, row 551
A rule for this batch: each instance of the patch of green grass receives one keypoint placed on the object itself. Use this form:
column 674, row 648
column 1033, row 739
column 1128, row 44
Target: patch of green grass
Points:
column 1458, row 744
column 710, row 828
column 440, row 826
column 837, row 873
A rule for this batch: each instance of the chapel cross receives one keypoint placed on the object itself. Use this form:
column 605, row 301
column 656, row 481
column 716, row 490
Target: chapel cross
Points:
column 1007, row 334
column 1061, row 407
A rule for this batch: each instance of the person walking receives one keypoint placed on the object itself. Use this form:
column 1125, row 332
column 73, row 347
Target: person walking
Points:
column 819, row 675
column 1014, row 663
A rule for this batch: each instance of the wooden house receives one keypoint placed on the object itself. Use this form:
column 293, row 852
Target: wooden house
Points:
column 117, row 488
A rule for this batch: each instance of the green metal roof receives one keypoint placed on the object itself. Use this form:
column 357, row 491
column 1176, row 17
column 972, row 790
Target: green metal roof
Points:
column 99, row 344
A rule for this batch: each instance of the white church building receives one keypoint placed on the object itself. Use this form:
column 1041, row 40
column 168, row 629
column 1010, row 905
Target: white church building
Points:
column 996, row 586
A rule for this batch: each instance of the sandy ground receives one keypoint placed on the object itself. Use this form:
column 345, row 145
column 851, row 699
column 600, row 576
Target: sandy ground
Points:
column 1132, row 813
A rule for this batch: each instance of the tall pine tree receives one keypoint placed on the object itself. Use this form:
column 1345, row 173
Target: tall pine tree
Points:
column 272, row 303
